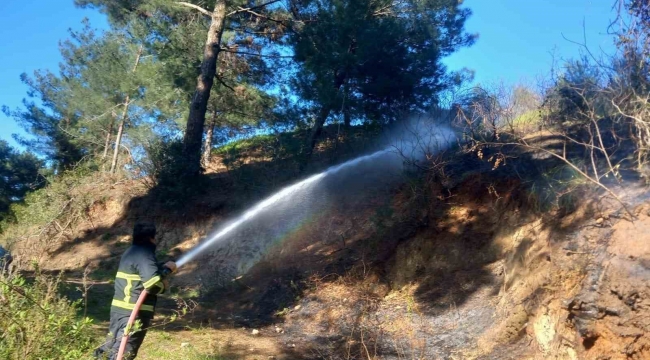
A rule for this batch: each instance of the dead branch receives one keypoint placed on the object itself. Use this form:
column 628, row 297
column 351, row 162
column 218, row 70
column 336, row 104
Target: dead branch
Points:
column 195, row 7
column 568, row 162
column 252, row 8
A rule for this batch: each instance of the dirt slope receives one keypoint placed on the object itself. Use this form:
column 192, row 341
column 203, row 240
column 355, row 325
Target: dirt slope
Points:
column 464, row 266
column 573, row 292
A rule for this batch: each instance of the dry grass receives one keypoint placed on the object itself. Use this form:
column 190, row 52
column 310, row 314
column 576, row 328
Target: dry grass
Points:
column 207, row 344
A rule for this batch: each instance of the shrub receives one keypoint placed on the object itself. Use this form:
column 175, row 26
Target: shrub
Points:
column 45, row 214
column 527, row 123
column 38, row 323
column 165, row 164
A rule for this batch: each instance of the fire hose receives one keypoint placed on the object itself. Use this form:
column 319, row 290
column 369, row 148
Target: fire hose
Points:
column 134, row 314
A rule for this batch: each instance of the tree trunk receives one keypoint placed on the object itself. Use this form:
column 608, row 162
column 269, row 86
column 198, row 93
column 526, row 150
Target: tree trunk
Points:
column 316, row 131
column 120, row 131
column 196, row 120
column 107, row 143
column 125, row 114
column 339, row 79
column 207, row 151
column 346, row 108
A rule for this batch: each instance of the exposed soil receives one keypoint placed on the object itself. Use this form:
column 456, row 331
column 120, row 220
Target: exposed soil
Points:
column 491, row 285
column 467, row 268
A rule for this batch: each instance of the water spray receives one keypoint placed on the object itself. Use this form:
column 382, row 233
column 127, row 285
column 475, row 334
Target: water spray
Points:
column 417, row 141
column 261, row 206
column 433, row 142
column 267, row 203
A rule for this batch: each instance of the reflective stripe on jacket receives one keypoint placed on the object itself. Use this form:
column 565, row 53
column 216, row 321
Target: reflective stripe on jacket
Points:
column 138, row 271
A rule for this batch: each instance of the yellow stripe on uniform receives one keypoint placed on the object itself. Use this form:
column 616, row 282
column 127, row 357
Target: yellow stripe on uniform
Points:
column 152, row 282
column 127, row 290
column 128, row 306
column 122, row 275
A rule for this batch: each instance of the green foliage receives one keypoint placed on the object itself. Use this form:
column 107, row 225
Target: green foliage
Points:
column 148, row 62
column 376, row 60
column 576, row 97
column 165, row 162
column 161, row 345
column 38, row 323
column 64, row 200
column 175, row 37
column 51, row 139
column 20, row 173
column 104, row 72
column 274, row 146
column 74, row 114
column 559, row 187
column 528, row 122
column 237, row 145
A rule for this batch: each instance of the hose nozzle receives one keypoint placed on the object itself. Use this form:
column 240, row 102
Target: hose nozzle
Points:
column 166, row 271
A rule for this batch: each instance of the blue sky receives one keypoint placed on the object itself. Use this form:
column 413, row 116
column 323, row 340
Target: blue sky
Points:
column 516, row 39
column 30, row 31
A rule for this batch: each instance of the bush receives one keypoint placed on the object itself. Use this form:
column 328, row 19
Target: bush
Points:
column 527, row 123
column 63, row 202
column 38, row 323
column 165, row 164
column 165, row 172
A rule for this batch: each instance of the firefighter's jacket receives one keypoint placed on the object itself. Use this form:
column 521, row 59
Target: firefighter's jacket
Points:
column 138, row 271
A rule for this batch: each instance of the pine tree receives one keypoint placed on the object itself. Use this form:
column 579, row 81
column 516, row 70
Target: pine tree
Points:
column 107, row 87
column 374, row 60
column 19, row 174
column 247, row 23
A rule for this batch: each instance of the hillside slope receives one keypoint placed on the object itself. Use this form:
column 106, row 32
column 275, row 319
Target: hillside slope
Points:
column 462, row 261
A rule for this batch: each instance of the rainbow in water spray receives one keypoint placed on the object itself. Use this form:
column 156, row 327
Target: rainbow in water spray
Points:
column 291, row 206
column 281, row 195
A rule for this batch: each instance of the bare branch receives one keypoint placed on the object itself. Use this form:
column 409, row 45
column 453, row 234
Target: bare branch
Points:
column 584, row 46
column 574, row 167
column 195, row 7
column 252, row 8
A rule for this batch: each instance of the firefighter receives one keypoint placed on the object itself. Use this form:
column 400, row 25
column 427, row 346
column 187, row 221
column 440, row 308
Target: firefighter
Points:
column 138, row 271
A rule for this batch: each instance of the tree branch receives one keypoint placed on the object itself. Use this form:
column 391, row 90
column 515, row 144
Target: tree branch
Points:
column 220, row 80
column 262, row 16
column 244, row 31
column 568, row 162
column 254, row 54
column 195, row 7
column 252, row 8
